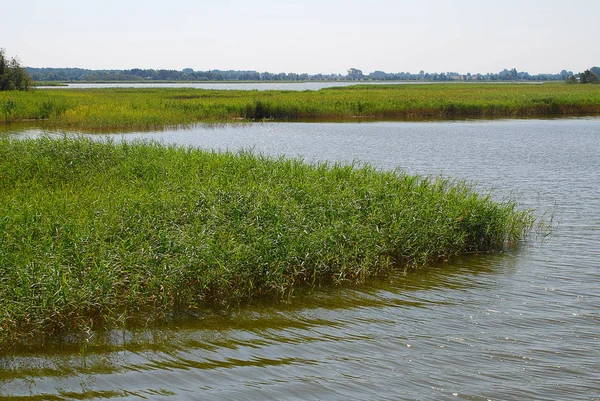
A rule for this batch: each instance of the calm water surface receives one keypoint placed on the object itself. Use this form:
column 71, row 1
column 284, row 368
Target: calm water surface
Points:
column 293, row 86
column 520, row 325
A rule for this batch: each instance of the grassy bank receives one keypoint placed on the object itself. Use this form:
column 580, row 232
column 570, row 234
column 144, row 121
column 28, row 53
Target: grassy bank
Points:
column 91, row 233
column 49, row 83
column 126, row 108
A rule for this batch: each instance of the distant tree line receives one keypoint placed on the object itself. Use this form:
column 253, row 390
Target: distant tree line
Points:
column 12, row 75
column 188, row 74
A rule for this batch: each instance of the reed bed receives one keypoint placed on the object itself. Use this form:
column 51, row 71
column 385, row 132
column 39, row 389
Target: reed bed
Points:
column 131, row 109
column 94, row 232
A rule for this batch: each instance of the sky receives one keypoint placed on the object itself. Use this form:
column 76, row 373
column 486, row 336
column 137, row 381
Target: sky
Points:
column 308, row 36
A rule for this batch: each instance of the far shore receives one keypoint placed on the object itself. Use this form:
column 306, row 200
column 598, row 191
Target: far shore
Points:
column 156, row 108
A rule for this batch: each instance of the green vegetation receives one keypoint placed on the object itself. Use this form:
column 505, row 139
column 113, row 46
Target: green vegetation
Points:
column 12, row 75
column 188, row 74
column 49, row 83
column 586, row 77
column 127, row 108
column 589, row 77
column 93, row 233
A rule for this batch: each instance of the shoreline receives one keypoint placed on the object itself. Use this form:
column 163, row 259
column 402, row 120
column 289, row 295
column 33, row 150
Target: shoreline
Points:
column 154, row 108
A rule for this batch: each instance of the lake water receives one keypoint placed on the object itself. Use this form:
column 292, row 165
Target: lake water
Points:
column 524, row 324
column 261, row 86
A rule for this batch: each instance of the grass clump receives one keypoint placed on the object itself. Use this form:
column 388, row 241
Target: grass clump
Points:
column 92, row 232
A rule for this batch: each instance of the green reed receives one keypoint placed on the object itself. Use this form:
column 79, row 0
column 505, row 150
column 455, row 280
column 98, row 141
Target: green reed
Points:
column 94, row 232
column 110, row 109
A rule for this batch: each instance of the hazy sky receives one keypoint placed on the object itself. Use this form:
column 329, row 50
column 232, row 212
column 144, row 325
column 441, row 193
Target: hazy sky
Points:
column 328, row 36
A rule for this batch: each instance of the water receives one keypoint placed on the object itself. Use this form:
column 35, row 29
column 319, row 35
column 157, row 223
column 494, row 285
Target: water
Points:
column 513, row 326
column 261, row 86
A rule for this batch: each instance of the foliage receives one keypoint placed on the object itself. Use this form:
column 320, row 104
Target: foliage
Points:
column 354, row 74
column 571, row 80
column 12, row 75
column 125, row 108
column 95, row 232
column 588, row 77
column 188, row 74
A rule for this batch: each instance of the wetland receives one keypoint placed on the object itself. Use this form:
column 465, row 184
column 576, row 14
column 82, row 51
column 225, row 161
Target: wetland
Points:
column 516, row 324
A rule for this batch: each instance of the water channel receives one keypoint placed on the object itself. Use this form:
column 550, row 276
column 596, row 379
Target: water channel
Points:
column 524, row 324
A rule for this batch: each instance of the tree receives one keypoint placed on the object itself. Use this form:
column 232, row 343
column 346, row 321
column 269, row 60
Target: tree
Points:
column 354, row 74
column 588, row 77
column 12, row 75
column 571, row 80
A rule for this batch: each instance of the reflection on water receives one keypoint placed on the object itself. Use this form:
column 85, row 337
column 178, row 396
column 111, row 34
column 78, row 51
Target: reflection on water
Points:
column 514, row 326
column 296, row 334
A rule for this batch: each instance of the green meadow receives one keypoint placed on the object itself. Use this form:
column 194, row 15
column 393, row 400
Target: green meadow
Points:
column 141, row 109
column 95, row 233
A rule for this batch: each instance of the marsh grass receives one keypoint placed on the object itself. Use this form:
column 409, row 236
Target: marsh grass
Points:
column 126, row 108
column 94, row 232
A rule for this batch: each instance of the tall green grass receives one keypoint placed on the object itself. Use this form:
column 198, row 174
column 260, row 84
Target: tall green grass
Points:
column 94, row 232
column 111, row 109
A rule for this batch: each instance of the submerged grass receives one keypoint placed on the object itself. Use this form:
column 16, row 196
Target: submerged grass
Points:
column 93, row 232
column 126, row 108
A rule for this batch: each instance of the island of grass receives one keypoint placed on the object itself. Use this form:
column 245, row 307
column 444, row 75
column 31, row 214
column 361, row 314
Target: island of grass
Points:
column 135, row 108
column 94, row 232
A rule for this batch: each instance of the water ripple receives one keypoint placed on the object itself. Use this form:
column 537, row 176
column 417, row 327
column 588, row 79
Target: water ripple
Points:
column 512, row 326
